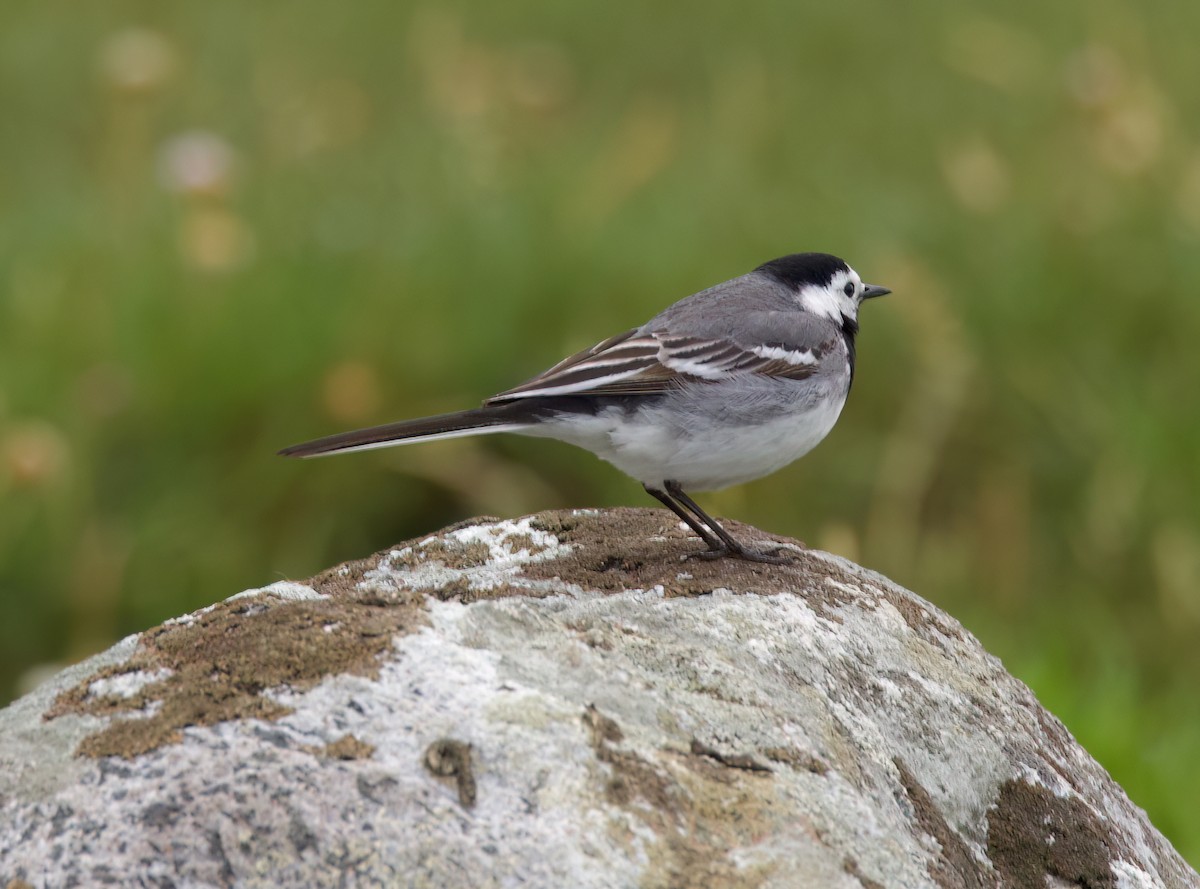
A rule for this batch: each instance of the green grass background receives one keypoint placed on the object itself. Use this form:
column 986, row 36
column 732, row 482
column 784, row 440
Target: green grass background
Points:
column 226, row 227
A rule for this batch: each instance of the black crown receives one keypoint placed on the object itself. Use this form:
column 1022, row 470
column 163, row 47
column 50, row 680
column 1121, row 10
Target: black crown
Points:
column 800, row 269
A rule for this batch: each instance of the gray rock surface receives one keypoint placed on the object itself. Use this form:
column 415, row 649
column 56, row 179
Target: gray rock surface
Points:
column 559, row 701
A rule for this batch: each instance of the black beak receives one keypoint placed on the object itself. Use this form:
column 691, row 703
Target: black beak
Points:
column 870, row 291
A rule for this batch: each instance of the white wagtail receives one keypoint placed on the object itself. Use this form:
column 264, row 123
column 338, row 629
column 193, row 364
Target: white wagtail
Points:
column 725, row 386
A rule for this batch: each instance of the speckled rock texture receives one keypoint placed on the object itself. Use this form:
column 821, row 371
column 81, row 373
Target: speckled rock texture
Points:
column 560, row 701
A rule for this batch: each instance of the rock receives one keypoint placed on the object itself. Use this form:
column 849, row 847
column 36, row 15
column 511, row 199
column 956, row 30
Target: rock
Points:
column 560, row 701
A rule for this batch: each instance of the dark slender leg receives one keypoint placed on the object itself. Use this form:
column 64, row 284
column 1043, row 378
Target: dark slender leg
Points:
column 723, row 543
column 714, row 544
column 730, row 544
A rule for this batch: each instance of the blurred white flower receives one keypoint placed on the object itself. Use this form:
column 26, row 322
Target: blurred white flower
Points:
column 197, row 164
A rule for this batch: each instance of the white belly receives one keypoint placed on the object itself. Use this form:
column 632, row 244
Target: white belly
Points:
column 711, row 442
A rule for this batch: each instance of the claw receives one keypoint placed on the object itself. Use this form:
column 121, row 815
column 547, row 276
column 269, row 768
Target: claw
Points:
column 749, row 555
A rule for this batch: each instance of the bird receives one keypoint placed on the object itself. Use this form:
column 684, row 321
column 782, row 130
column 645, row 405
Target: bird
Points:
column 722, row 387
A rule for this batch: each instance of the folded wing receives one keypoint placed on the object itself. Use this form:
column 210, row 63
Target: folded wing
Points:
column 653, row 363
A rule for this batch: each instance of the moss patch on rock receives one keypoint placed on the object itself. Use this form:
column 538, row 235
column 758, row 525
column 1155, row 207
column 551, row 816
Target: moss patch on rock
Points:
column 218, row 664
column 623, row 549
column 1034, row 834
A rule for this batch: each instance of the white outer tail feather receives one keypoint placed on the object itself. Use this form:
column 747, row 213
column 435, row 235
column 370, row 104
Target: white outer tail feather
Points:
column 416, row 439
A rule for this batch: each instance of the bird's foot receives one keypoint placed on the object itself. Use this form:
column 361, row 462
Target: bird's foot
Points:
column 740, row 552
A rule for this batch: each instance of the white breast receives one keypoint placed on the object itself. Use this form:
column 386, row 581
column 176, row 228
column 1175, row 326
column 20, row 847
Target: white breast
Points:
column 711, row 437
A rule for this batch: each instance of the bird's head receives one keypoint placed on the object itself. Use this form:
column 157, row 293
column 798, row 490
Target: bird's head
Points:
column 823, row 285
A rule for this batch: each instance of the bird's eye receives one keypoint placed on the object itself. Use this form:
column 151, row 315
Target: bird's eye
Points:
column 849, row 288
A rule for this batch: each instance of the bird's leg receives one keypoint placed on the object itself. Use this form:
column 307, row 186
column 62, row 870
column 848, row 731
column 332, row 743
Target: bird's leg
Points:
column 715, row 545
column 726, row 544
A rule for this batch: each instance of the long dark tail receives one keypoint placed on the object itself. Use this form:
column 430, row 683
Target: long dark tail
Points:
column 479, row 421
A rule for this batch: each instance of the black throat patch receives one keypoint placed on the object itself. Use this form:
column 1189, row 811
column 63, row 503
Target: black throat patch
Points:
column 849, row 332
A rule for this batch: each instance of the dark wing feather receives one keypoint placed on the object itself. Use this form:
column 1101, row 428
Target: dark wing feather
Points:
column 654, row 363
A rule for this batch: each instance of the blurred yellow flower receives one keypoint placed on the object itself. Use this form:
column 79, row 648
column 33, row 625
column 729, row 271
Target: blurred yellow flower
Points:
column 350, row 392
column 214, row 239
column 33, row 453
column 137, row 60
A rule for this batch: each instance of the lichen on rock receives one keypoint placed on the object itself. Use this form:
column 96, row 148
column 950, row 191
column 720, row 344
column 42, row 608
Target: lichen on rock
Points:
column 554, row 701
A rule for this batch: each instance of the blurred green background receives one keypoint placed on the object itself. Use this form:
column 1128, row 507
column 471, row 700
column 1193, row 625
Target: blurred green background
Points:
column 227, row 227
